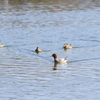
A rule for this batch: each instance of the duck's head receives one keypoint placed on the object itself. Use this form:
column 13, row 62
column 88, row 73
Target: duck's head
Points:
column 54, row 55
column 37, row 48
column 65, row 44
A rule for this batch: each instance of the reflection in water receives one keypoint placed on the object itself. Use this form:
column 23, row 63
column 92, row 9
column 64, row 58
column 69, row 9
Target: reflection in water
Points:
column 65, row 49
column 55, row 66
column 38, row 52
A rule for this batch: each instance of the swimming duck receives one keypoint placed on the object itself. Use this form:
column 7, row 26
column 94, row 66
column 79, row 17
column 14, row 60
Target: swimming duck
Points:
column 1, row 45
column 67, row 46
column 38, row 49
column 56, row 60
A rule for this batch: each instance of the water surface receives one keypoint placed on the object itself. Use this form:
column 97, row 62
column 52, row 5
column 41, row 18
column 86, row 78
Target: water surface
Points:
column 25, row 25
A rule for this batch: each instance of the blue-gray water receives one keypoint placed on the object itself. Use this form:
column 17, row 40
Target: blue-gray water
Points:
column 48, row 24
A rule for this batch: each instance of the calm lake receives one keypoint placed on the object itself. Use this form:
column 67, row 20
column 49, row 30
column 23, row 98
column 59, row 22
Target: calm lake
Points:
column 48, row 24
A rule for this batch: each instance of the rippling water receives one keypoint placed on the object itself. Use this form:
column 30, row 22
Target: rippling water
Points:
column 27, row 24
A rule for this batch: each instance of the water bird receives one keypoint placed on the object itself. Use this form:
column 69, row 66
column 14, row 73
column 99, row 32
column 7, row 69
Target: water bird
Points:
column 1, row 45
column 57, row 60
column 67, row 46
column 38, row 50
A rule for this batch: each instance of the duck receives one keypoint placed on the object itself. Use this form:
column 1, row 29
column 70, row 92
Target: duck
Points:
column 38, row 49
column 1, row 45
column 67, row 46
column 61, row 60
